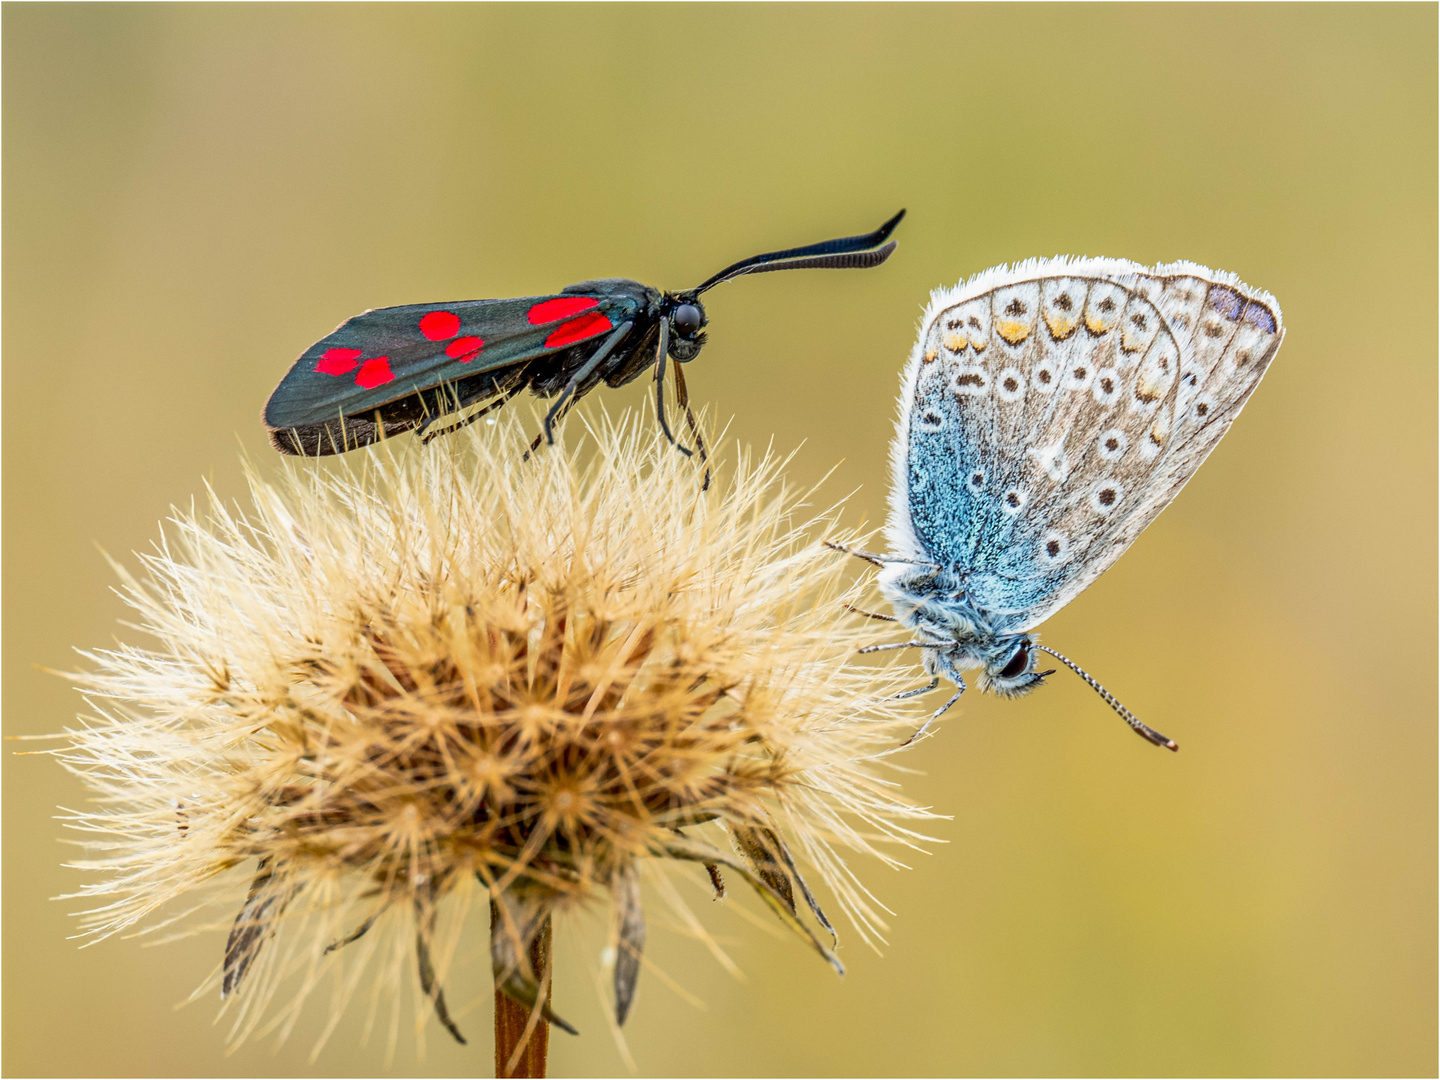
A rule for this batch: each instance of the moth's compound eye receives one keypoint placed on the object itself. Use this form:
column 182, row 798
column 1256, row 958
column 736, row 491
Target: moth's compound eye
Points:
column 686, row 319
column 1016, row 665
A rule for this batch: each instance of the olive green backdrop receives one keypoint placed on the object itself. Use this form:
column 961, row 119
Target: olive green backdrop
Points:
column 194, row 194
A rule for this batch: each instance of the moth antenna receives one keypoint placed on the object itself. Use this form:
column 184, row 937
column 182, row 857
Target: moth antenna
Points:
column 841, row 254
column 855, row 260
column 1144, row 731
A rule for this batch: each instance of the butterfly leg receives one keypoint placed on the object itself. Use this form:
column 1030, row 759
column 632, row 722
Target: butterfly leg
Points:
column 870, row 614
column 953, row 675
column 868, row 556
column 573, row 385
column 878, row 560
column 931, row 685
column 905, row 645
column 934, row 716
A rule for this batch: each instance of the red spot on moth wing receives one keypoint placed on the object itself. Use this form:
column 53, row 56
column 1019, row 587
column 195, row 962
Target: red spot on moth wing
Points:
column 439, row 325
column 464, row 349
column 337, row 361
column 374, row 373
column 586, row 326
column 562, row 307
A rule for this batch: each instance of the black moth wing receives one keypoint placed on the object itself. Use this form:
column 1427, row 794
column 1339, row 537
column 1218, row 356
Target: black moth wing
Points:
column 388, row 370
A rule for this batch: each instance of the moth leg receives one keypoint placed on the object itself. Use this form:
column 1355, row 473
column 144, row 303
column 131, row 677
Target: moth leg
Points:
column 447, row 401
column 659, row 380
column 573, row 385
column 931, row 685
column 682, row 398
column 535, row 442
column 426, row 434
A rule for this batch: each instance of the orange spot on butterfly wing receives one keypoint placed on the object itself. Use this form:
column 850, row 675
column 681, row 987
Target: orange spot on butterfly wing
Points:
column 1013, row 332
column 586, row 326
column 561, row 307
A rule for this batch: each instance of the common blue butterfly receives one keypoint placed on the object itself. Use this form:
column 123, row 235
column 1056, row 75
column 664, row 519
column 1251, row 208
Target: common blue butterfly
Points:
column 1050, row 410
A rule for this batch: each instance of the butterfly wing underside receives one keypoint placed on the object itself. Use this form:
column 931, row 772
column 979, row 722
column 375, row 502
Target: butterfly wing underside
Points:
column 388, row 354
column 1053, row 409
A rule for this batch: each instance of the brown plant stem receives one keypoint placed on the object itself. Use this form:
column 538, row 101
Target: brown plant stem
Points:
column 521, row 1034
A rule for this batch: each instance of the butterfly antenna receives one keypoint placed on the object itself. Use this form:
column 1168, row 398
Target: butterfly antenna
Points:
column 845, row 253
column 1144, row 731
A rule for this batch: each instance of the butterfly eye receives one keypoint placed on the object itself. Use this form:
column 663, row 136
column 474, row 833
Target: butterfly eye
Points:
column 686, row 319
column 1016, row 665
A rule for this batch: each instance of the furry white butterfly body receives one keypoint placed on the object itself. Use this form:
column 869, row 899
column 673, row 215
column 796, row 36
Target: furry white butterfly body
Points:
column 1049, row 411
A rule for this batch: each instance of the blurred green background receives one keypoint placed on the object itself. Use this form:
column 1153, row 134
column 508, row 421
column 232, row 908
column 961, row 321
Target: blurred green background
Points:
column 193, row 194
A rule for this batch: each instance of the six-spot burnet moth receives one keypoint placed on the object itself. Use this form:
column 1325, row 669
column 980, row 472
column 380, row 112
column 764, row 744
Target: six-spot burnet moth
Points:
column 395, row 369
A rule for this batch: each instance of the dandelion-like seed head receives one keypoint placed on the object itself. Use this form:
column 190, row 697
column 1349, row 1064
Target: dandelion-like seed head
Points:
column 434, row 674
